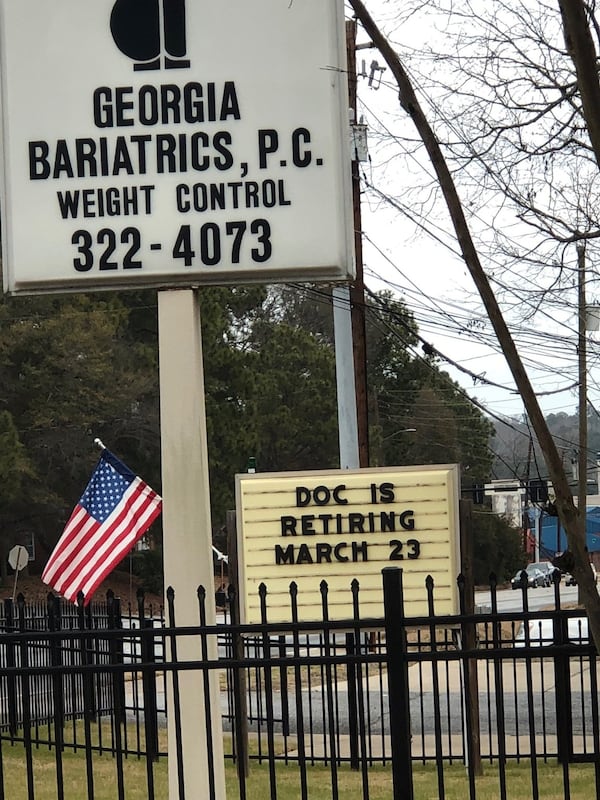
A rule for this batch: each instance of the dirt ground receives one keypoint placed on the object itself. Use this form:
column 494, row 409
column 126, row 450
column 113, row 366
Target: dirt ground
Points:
column 122, row 584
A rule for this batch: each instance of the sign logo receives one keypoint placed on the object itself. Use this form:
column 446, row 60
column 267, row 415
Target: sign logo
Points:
column 148, row 31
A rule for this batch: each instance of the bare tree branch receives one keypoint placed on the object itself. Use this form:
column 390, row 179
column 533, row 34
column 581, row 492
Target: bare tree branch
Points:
column 567, row 510
column 580, row 46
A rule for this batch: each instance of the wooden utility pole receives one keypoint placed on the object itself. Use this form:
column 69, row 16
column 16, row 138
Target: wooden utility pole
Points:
column 357, row 289
column 582, row 359
column 582, row 354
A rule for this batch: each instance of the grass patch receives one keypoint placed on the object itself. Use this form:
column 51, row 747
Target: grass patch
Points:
column 75, row 777
column 456, row 783
column 319, row 779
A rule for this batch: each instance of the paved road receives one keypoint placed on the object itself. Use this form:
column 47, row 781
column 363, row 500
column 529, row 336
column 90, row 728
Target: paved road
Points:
column 543, row 597
column 516, row 696
column 424, row 708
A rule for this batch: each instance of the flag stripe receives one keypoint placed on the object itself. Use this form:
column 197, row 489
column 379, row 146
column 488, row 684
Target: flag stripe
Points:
column 117, row 555
column 115, row 510
column 118, row 539
column 79, row 527
column 92, row 546
column 82, row 543
column 90, row 538
column 96, row 573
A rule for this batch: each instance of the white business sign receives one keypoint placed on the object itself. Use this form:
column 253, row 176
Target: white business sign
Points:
column 173, row 142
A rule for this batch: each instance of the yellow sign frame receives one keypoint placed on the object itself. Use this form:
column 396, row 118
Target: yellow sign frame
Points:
column 337, row 525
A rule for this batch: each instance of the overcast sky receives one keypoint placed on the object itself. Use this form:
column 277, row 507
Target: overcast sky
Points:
column 426, row 271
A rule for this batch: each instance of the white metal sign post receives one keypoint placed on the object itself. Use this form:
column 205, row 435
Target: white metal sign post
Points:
column 173, row 144
column 188, row 560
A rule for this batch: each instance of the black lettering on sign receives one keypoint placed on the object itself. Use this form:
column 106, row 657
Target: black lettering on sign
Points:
column 262, row 230
column 268, row 143
column 204, row 151
column 321, row 553
column 304, row 555
column 382, row 493
column 284, row 555
column 113, row 201
column 212, row 243
column 308, row 528
column 301, row 155
column 407, row 520
column 337, row 551
column 168, row 104
column 414, row 548
column 39, row 166
column 101, row 249
column 62, row 161
column 107, row 238
column 356, row 523
column 413, row 545
column 321, row 495
column 288, row 526
column 139, row 154
column 396, row 553
column 360, row 549
column 390, row 520
column 325, row 520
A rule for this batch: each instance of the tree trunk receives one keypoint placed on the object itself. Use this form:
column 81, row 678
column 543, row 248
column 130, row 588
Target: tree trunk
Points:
column 580, row 47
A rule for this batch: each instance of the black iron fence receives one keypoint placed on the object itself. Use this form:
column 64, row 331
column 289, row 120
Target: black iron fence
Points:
column 366, row 703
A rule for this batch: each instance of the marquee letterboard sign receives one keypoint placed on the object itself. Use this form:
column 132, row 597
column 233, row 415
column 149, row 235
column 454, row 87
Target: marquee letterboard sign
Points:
column 173, row 142
column 344, row 524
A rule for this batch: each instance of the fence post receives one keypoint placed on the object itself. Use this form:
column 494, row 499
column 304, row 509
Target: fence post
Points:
column 11, row 661
column 562, row 677
column 86, row 653
column 148, row 680
column 466, row 587
column 298, row 690
column 240, row 688
column 25, row 694
column 58, row 701
column 398, row 686
column 351, row 650
column 115, row 646
column 283, row 692
column 268, row 677
column 88, row 690
column 54, row 626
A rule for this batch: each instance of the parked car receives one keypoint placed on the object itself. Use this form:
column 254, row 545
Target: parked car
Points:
column 547, row 569
column 570, row 580
column 535, row 577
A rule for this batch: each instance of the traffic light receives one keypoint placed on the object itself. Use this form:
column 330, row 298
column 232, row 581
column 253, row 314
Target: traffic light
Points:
column 478, row 490
column 538, row 490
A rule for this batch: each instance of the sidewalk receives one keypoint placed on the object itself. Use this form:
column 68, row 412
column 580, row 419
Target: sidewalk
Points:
column 513, row 674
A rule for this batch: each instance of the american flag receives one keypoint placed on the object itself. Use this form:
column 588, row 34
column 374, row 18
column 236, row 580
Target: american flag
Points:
column 115, row 510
